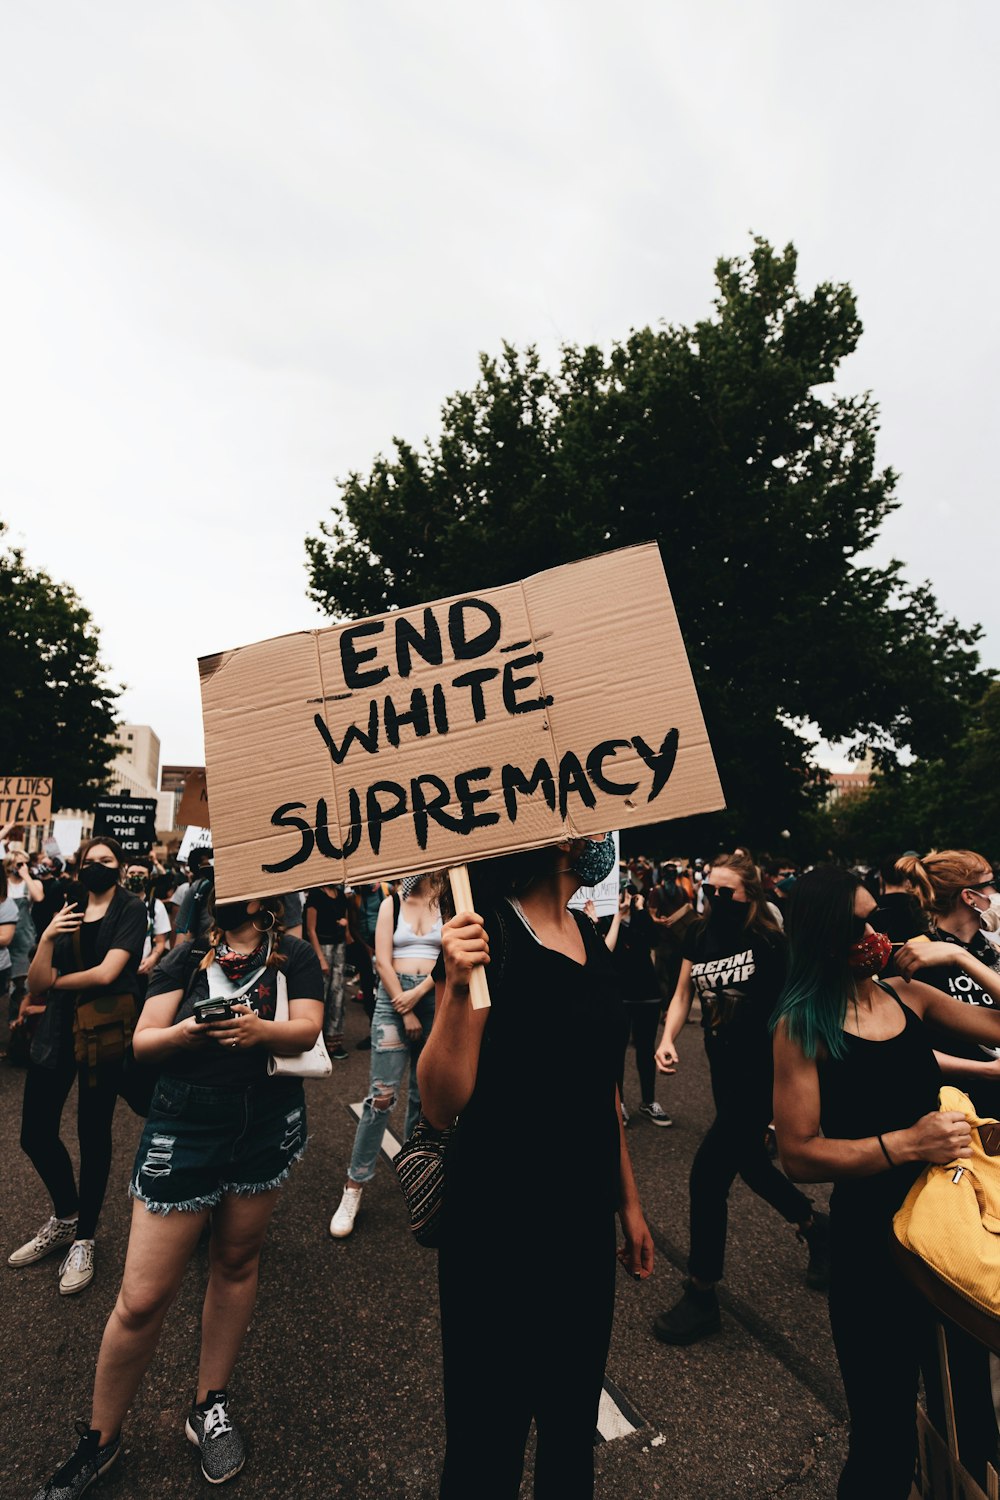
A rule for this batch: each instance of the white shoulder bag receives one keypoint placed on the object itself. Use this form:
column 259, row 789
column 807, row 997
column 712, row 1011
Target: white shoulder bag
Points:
column 312, row 1064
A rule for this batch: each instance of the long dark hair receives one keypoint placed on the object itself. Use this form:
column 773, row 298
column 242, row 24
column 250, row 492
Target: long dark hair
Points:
column 820, row 925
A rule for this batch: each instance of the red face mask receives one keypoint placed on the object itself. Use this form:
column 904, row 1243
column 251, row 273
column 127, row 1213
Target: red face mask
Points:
column 870, row 956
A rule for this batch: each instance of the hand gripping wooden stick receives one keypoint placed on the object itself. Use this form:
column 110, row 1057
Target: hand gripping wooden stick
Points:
column 461, row 894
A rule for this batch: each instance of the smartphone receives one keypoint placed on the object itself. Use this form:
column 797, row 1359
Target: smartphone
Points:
column 213, row 1008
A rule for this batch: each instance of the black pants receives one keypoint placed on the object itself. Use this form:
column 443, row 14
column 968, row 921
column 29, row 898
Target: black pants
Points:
column 524, row 1336
column 735, row 1146
column 359, row 955
column 45, row 1092
column 639, row 1022
column 883, row 1334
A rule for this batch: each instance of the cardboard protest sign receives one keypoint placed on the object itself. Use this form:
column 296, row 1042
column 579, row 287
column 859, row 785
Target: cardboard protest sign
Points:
column 193, row 811
column 131, row 821
column 604, row 896
column 500, row 720
column 26, row 800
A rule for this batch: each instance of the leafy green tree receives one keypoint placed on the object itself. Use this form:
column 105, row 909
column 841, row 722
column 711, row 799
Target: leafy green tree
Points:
column 725, row 443
column 58, row 708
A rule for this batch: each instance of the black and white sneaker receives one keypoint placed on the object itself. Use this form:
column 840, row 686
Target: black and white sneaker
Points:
column 79, row 1472
column 655, row 1113
column 210, row 1428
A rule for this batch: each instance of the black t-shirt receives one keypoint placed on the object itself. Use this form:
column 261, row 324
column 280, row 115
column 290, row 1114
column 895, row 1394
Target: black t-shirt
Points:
column 984, row 1092
column 214, row 1064
column 329, row 912
column 123, row 925
column 636, row 974
column 540, row 998
column 737, row 976
column 900, row 916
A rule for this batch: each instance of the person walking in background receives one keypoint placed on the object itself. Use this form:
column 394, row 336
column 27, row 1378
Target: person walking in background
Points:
column 407, row 946
column 138, row 879
column 735, row 962
column 326, row 924
column 87, row 964
column 630, row 938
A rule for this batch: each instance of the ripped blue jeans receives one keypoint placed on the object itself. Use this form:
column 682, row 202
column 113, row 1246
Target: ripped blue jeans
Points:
column 392, row 1051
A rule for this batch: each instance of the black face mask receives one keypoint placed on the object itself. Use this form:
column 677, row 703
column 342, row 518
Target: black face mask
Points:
column 98, row 878
column 232, row 915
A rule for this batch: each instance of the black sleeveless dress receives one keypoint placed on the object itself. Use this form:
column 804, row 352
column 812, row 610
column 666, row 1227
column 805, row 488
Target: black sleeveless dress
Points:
column 527, row 1262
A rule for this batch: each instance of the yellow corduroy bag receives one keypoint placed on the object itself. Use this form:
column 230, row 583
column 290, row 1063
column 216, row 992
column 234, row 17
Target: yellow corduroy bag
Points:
column 950, row 1218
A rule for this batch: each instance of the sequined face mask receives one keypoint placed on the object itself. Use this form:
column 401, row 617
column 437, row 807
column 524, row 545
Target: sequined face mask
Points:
column 870, row 955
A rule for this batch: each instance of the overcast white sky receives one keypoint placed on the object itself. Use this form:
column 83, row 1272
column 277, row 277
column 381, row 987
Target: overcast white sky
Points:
column 247, row 243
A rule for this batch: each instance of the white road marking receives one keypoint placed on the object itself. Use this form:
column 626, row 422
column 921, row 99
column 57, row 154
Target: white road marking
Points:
column 611, row 1420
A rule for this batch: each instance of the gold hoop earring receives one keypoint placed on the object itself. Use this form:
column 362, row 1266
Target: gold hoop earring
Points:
column 266, row 912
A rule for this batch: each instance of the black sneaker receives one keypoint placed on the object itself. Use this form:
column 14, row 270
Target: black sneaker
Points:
column 338, row 1053
column 817, row 1238
column 79, row 1472
column 210, row 1428
column 694, row 1317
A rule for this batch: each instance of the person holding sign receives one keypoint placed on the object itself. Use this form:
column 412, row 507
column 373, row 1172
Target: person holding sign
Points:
column 526, row 1312
column 87, row 963
column 221, row 1138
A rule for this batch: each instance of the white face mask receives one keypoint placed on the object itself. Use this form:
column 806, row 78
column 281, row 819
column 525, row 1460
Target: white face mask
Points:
column 989, row 917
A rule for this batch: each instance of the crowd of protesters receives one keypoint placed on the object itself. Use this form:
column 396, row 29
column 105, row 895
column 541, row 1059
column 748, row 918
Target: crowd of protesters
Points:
column 832, row 1002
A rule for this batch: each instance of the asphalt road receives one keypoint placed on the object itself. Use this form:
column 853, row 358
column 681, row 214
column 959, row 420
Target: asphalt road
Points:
column 338, row 1386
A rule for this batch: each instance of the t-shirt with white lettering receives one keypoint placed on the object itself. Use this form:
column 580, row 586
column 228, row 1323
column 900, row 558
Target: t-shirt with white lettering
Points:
column 953, row 981
column 737, row 976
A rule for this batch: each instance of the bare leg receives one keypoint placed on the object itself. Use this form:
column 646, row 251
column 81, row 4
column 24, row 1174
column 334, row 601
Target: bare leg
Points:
column 238, row 1229
column 159, row 1248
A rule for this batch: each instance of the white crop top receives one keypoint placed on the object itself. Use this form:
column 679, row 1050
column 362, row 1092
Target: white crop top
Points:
column 409, row 944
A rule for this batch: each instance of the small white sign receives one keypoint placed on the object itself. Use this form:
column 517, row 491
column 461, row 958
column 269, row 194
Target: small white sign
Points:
column 68, row 834
column 194, row 838
column 605, row 895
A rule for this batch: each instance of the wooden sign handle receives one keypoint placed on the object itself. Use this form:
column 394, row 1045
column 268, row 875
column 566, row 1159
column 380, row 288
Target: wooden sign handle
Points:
column 461, row 894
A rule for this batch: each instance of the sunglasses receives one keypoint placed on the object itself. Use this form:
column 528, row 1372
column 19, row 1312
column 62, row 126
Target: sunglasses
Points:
column 984, row 885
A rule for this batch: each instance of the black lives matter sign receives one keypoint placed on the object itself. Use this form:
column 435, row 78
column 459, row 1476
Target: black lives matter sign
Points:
column 495, row 720
column 131, row 821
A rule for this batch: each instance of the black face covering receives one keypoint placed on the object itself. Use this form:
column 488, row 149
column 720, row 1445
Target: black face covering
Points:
column 232, row 915
column 98, row 878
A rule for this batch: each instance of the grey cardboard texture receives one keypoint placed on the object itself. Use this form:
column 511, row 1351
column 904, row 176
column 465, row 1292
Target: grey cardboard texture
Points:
column 499, row 720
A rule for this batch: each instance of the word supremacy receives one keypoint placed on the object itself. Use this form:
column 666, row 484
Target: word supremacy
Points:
column 456, row 730
column 454, row 803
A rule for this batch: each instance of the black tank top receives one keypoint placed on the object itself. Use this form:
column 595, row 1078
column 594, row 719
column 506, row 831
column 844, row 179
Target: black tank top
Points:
column 875, row 1088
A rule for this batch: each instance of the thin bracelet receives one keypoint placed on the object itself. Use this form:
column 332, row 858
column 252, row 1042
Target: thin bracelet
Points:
column 885, row 1151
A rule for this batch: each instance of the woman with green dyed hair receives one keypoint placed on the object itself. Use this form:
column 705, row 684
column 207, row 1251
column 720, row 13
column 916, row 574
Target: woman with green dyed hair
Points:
column 856, row 1103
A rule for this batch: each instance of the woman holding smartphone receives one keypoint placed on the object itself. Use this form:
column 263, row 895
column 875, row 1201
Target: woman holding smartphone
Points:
column 220, row 1140
column 88, row 956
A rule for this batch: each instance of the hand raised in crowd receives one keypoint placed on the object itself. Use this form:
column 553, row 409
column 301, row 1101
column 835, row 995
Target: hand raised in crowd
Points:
column 67, row 919
column 917, row 954
column 666, row 1057
column 941, row 1136
column 465, row 946
column 590, row 910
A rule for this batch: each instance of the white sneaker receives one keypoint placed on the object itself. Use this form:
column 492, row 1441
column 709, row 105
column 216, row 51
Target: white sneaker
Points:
column 77, row 1270
column 53, row 1235
column 342, row 1223
column 655, row 1113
